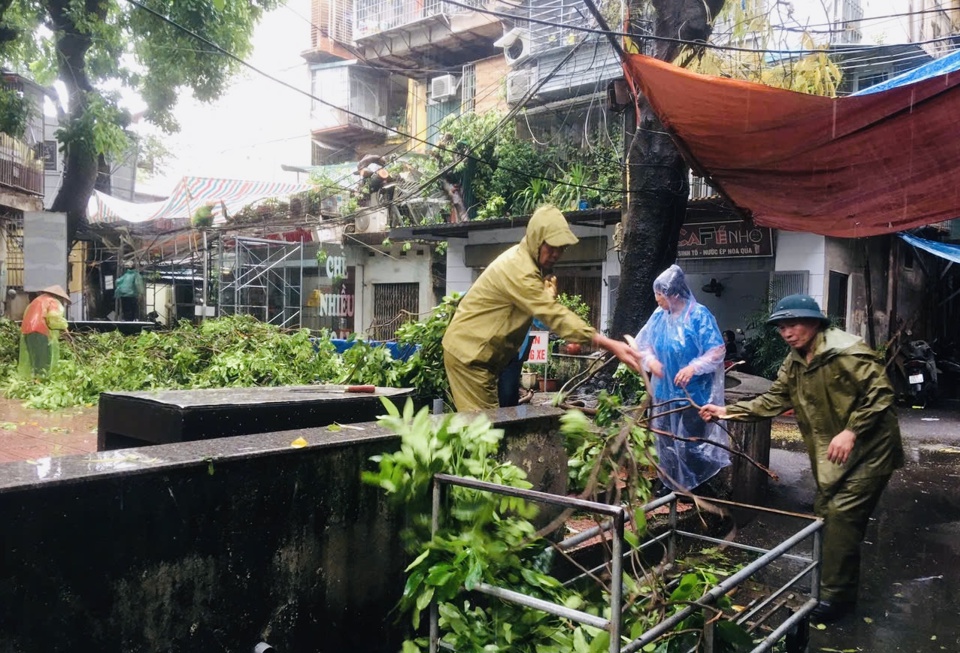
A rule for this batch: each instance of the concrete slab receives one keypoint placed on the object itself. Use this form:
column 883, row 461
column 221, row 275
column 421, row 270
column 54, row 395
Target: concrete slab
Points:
column 132, row 419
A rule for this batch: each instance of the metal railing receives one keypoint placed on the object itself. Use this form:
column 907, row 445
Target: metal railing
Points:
column 614, row 524
column 699, row 188
column 372, row 17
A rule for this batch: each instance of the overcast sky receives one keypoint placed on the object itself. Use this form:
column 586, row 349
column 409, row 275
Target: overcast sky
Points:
column 258, row 124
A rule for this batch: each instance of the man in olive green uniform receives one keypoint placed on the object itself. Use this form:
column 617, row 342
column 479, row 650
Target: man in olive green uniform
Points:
column 492, row 319
column 845, row 410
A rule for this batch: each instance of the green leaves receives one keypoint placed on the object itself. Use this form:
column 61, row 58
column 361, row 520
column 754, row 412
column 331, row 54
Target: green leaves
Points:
column 433, row 444
column 226, row 352
column 424, row 369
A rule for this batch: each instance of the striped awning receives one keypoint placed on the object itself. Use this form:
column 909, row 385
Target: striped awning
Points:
column 188, row 195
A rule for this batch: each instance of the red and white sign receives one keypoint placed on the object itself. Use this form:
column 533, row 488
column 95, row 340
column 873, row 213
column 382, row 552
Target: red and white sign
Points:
column 538, row 348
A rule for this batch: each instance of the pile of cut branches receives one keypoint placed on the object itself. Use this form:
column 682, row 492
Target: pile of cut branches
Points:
column 233, row 351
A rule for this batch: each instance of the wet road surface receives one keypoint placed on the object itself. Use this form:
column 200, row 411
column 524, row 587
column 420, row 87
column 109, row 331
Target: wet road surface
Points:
column 29, row 434
column 910, row 575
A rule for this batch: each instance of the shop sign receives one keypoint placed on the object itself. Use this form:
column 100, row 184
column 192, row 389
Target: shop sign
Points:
column 538, row 348
column 333, row 302
column 724, row 239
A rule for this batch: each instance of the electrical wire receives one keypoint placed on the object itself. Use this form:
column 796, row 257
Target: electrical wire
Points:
column 462, row 155
column 456, row 153
column 651, row 37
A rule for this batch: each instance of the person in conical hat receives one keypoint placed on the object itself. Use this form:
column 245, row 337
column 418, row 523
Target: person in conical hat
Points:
column 57, row 291
column 40, row 330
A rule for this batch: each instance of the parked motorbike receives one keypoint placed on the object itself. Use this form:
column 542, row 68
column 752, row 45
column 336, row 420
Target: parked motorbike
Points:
column 916, row 377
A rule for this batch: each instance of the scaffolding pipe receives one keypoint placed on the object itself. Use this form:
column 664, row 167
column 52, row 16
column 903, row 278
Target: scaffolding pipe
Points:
column 771, row 640
column 613, row 625
column 616, row 583
column 434, row 527
column 533, row 495
column 583, row 536
column 773, row 597
column 744, row 547
column 203, row 299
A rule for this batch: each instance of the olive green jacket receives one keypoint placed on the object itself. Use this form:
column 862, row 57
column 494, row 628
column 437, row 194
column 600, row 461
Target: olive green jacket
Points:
column 494, row 316
column 844, row 387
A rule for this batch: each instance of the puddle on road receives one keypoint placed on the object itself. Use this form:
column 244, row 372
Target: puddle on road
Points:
column 910, row 577
column 13, row 412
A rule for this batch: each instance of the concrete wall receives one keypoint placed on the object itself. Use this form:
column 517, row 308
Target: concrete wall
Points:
column 913, row 303
column 219, row 544
column 846, row 257
column 802, row 251
column 394, row 266
column 491, row 88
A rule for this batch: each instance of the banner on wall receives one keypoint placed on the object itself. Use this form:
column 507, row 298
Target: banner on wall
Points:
column 333, row 301
column 724, row 239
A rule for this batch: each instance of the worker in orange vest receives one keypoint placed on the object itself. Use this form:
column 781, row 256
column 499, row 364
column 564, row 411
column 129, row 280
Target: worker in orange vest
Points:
column 40, row 330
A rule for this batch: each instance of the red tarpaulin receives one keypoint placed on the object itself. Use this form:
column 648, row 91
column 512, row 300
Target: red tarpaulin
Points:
column 850, row 167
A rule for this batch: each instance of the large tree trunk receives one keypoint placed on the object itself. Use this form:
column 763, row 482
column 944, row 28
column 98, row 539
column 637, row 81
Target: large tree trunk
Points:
column 657, row 181
column 80, row 166
column 79, row 176
column 657, row 188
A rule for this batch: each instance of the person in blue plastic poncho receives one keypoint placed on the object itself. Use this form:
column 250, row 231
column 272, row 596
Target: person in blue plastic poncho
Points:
column 682, row 349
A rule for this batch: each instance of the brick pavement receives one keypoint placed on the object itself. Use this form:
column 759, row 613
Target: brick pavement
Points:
column 28, row 434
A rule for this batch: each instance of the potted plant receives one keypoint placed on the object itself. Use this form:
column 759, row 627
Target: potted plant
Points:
column 529, row 378
column 548, row 384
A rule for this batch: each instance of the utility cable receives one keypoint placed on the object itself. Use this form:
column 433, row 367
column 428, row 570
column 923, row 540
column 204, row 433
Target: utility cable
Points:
column 237, row 59
column 664, row 39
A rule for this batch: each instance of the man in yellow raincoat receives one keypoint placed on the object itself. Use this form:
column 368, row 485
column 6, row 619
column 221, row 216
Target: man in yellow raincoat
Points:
column 844, row 405
column 40, row 332
column 493, row 317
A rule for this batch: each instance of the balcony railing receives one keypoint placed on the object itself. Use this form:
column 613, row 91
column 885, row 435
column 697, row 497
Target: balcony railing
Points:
column 20, row 169
column 700, row 189
column 329, row 120
column 333, row 19
column 375, row 16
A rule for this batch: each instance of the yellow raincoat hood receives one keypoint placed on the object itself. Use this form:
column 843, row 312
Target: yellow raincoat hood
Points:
column 493, row 317
column 547, row 225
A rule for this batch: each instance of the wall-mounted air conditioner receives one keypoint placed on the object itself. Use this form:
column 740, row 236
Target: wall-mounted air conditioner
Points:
column 444, row 87
column 519, row 83
column 371, row 220
column 515, row 44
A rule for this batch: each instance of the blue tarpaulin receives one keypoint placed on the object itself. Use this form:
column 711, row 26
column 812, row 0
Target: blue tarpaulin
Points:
column 943, row 250
column 399, row 352
column 941, row 66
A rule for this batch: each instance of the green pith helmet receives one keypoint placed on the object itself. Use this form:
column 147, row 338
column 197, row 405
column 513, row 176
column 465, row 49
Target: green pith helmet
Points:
column 797, row 307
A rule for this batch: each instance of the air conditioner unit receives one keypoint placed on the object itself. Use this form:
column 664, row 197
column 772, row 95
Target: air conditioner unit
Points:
column 444, row 87
column 519, row 83
column 516, row 45
column 371, row 220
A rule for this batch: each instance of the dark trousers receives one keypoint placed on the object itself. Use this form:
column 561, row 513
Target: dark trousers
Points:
column 845, row 517
column 508, row 383
column 129, row 308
